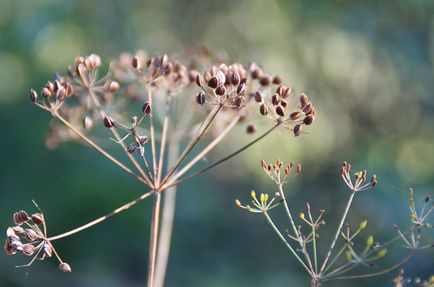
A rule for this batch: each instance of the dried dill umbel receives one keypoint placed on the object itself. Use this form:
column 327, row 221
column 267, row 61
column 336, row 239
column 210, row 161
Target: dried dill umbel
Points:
column 156, row 110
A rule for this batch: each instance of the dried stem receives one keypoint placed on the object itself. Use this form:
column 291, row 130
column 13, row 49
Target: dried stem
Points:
column 153, row 242
column 152, row 131
column 102, row 218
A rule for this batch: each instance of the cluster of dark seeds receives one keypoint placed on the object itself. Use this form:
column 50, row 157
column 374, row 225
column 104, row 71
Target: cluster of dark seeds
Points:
column 29, row 238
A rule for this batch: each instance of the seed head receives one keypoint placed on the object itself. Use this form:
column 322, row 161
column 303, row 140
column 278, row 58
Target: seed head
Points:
column 37, row 218
column 297, row 130
column 200, row 98
column 146, row 108
column 64, row 267
column 108, row 122
column 20, row 217
column 33, row 96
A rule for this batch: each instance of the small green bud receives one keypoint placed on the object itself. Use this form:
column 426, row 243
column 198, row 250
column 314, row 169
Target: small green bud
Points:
column 382, row 253
column 301, row 215
column 370, row 241
column 363, row 224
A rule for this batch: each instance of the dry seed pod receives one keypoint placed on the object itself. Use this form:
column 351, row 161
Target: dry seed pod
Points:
column 297, row 130
column 303, row 100
column 235, row 79
column 200, row 98
column 250, row 129
column 37, row 218
column 265, row 80
column 33, row 96
column 280, row 111
column 108, row 122
column 263, row 109
column 136, row 63
column 308, row 120
column 46, row 93
column 295, row 115
column 277, row 80
column 28, row 249
column 20, row 217
column 17, row 229
column 48, row 250
column 64, row 267
column 307, row 108
column 31, row 235
column 146, row 108
column 213, row 83
column 241, row 89
column 275, row 99
column 220, row 90
column 258, row 97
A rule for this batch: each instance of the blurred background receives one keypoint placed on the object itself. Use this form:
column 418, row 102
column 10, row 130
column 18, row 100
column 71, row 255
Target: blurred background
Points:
column 366, row 65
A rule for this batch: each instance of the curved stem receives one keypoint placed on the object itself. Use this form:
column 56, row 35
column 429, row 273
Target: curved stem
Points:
column 102, row 218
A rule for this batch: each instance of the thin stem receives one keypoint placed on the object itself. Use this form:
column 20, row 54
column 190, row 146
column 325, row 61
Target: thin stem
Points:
column 118, row 137
column 338, row 231
column 335, row 258
column 286, row 242
column 98, row 148
column 168, row 214
column 152, row 131
column 223, row 159
column 163, row 139
column 193, row 142
column 153, row 242
column 102, row 218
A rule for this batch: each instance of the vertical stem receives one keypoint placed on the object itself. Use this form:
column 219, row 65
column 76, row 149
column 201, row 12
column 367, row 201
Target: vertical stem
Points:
column 154, row 238
column 168, row 214
column 344, row 216
column 152, row 131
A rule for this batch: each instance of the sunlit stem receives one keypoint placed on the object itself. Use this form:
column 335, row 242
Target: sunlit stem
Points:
column 163, row 138
column 153, row 242
column 98, row 148
column 270, row 221
column 344, row 216
column 102, row 218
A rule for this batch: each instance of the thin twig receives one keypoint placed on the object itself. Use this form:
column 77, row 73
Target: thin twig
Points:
column 102, row 218
column 153, row 242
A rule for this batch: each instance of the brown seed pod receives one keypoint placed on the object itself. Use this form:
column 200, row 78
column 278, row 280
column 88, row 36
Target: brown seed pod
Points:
column 295, row 115
column 239, row 101
column 48, row 250
column 307, row 108
column 308, row 120
column 283, row 103
column 263, row 109
column 136, row 63
column 277, row 80
column 220, row 90
column 235, row 79
column 304, row 100
column 275, row 99
column 20, row 217
column 250, row 129
column 241, row 89
column 146, row 109
column 258, row 97
column 46, row 93
column 200, row 98
column 108, row 122
column 37, row 218
column 265, row 80
column 33, row 96
column 297, row 130
column 28, row 249
column 198, row 81
column 31, row 235
column 64, row 267
column 280, row 111
column 283, row 91
column 213, row 83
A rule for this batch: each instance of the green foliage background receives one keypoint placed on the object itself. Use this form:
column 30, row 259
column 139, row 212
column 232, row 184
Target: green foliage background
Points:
column 366, row 65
